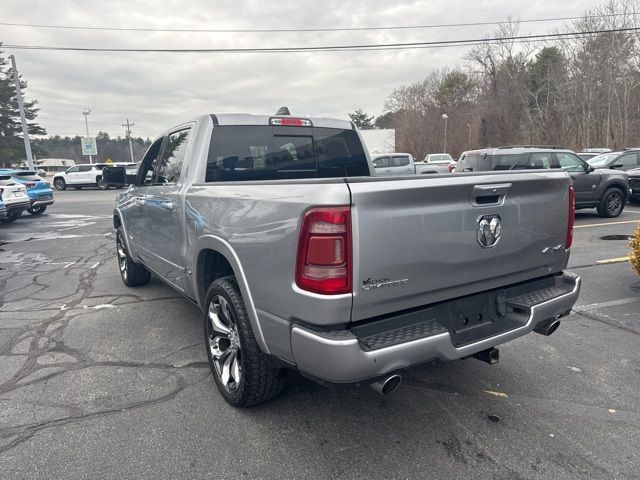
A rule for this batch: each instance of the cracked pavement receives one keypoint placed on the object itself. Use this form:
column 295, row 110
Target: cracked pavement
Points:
column 100, row 380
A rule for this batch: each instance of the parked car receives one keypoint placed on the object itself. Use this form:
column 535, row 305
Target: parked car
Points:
column 603, row 189
column 587, row 155
column 14, row 197
column 625, row 160
column 300, row 259
column 596, row 150
column 436, row 163
column 393, row 164
column 634, row 185
column 39, row 191
column 79, row 176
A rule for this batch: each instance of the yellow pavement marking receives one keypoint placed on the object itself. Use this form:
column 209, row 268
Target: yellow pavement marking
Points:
column 614, row 260
column 497, row 394
column 612, row 410
column 605, row 224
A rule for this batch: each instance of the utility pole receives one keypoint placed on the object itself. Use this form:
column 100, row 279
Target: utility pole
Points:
column 129, row 125
column 23, row 119
column 86, row 112
column 445, row 117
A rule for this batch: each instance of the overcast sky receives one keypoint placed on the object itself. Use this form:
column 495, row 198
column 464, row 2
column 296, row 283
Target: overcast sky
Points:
column 158, row 90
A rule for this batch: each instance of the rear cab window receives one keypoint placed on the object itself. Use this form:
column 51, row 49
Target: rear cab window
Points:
column 400, row 161
column 251, row 153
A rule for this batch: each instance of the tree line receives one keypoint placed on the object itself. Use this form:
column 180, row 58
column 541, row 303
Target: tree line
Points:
column 115, row 149
column 577, row 92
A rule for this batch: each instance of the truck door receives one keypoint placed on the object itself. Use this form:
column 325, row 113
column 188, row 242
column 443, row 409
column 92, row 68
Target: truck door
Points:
column 585, row 183
column 164, row 212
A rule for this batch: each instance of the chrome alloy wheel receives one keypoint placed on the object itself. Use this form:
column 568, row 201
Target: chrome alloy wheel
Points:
column 122, row 258
column 224, row 343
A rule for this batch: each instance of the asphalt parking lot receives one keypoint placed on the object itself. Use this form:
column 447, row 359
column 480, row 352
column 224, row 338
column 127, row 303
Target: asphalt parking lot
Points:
column 101, row 381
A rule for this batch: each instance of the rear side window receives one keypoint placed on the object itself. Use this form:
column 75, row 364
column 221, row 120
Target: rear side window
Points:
column 540, row 160
column 509, row 162
column 172, row 158
column 400, row 161
column 245, row 153
column 28, row 176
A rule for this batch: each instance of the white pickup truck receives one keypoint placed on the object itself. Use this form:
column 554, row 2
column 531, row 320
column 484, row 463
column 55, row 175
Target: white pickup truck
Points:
column 301, row 259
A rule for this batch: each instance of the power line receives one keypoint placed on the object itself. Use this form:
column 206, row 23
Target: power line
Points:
column 335, row 48
column 300, row 30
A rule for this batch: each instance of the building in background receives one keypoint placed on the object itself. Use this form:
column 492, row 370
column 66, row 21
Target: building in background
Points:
column 379, row 140
column 53, row 165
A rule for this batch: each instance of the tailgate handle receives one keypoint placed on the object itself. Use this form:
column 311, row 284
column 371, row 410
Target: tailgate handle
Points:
column 489, row 194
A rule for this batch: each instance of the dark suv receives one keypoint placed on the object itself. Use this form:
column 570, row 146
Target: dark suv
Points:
column 603, row 189
column 634, row 185
column 625, row 160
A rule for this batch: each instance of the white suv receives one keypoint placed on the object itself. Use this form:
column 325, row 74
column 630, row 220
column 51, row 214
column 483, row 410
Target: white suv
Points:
column 82, row 176
column 13, row 199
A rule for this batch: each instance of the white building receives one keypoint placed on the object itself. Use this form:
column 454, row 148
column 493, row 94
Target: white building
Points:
column 52, row 165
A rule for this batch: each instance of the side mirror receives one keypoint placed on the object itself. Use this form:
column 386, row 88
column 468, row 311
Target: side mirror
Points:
column 617, row 165
column 114, row 176
column 590, row 169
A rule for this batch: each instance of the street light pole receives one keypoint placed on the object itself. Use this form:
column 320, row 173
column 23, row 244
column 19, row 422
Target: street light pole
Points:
column 86, row 113
column 23, row 119
column 445, row 118
column 129, row 125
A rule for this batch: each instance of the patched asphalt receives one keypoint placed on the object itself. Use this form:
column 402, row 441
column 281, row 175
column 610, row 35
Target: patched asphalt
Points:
column 100, row 380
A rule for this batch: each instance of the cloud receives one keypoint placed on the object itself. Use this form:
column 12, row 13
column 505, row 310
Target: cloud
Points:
column 158, row 90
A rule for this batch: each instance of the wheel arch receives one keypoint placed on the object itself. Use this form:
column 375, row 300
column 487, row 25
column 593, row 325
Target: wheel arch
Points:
column 215, row 258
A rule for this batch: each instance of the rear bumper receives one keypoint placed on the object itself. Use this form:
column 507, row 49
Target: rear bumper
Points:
column 17, row 206
column 339, row 356
column 40, row 203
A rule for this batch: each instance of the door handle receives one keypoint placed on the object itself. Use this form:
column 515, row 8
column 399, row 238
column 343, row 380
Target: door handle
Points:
column 387, row 171
column 168, row 205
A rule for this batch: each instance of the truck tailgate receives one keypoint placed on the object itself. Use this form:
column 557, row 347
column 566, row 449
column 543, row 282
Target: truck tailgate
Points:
column 416, row 241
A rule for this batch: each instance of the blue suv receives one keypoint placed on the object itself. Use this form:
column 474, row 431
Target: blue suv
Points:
column 39, row 191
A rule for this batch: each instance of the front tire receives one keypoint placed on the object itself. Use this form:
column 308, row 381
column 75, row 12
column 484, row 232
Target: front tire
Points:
column 133, row 274
column 37, row 210
column 101, row 184
column 612, row 203
column 244, row 375
column 59, row 184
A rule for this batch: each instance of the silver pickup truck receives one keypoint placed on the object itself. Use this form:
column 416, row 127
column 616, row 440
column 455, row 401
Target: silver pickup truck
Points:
column 301, row 259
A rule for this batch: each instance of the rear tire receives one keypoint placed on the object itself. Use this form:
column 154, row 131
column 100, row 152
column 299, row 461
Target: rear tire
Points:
column 37, row 210
column 59, row 184
column 133, row 274
column 244, row 375
column 11, row 217
column 612, row 203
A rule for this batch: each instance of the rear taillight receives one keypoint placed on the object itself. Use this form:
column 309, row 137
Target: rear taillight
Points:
column 452, row 167
column 290, row 122
column 572, row 215
column 29, row 185
column 324, row 251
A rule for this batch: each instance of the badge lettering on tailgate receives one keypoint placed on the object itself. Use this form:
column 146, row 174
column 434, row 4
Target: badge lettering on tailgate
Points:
column 373, row 283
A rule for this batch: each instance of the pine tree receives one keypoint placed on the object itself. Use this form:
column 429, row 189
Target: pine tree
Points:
column 11, row 141
column 361, row 119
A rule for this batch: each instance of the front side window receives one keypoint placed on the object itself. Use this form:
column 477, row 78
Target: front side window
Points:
column 72, row 170
column 570, row 162
column 400, row 161
column 172, row 159
column 381, row 162
column 628, row 160
column 245, row 153
column 148, row 165
column 84, row 168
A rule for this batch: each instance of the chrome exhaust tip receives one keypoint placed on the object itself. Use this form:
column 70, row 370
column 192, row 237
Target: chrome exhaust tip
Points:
column 547, row 327
column 387, row 385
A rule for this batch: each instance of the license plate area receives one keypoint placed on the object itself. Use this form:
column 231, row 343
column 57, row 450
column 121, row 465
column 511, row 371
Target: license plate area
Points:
column 474, row 318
